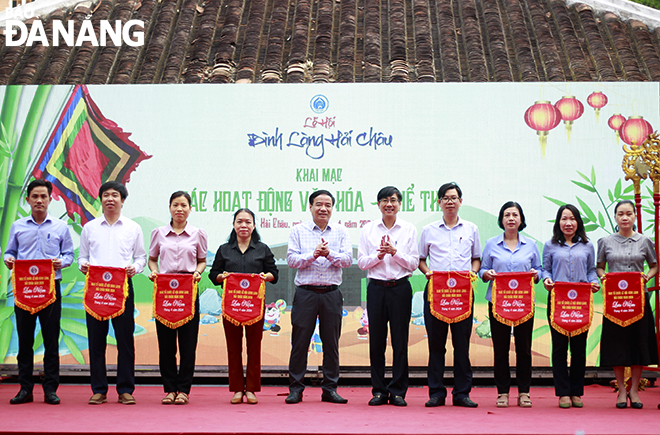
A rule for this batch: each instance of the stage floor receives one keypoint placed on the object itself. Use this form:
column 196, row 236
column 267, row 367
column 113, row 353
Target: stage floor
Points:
column 210, row 412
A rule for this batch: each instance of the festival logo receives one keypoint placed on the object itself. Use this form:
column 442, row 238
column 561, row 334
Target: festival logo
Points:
column 451, row 282
column 245, row 283
column 623, row 284
column 107, row 276
column 572, row 294
column 34, row 270
column 174, row 284
column 319, row 104
column 513, row 284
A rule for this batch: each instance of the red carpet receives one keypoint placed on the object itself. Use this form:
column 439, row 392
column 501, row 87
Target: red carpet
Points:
column 210, row 412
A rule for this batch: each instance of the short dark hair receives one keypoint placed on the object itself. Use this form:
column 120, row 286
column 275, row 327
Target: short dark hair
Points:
column 388, row 191
column 447, row 186
column 40, row 183
column 180, row 193
column 580, row 233
column 510, row 204
column 625, row 201
column 316, row 193
column 115, row 185
column 255, row 234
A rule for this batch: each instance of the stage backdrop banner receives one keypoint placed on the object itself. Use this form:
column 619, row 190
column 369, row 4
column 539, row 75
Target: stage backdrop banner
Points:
column 268, row 147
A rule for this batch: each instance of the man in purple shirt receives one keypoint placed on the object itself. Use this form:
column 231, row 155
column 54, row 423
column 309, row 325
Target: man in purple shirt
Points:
column 39, row 237
column 319, row 250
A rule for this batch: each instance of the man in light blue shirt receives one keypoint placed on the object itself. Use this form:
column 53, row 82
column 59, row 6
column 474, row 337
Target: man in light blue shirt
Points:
column 319, row 250
column 39, row 237
column 449, row 244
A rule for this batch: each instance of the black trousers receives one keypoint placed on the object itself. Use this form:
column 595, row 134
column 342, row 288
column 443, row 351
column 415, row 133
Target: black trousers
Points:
column 49, row 320
column 178, row 381
column 97, row 333
column 437, row 331
column 389, row 304
column 307, row 306
column 501, row 335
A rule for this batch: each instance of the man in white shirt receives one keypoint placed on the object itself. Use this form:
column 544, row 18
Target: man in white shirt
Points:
column 113, row 240
column 388, row 250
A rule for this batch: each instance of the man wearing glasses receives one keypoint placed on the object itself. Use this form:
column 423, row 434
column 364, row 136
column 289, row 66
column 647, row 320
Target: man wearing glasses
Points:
column 450, row 244
column 388, row 250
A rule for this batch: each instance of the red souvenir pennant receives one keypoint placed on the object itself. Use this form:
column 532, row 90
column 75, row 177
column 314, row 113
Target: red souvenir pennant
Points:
column 623, row 297
column 243, row 298
column 450, row 295
column 106, row 290
column 513, row 297
column 174, row 298
column 33, row 282
column 571, row 307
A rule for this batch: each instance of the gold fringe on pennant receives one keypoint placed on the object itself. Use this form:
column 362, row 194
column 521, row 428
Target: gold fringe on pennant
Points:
column 614, row 319
column 261, row 294
column 92, row 313
column 513, row 322
column 442, row 317
column 566, row 332
column 51, row 291
column 164, row 321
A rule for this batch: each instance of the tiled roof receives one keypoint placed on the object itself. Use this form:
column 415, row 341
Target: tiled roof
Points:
column 295, row 41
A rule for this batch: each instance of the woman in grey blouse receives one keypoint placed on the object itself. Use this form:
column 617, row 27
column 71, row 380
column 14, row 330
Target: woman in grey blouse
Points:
column 633, row 345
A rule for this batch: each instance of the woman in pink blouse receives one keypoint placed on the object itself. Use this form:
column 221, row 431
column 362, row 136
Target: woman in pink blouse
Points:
column 178, row 248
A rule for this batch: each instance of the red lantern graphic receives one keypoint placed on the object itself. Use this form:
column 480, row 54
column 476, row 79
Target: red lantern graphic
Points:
column 615, row 122
column 597, row 100
column 635, row 130
column 571, row 109
column 542, row 117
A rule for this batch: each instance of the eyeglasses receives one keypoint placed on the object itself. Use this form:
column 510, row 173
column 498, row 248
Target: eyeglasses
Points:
column 450, row 199
column 389, row 201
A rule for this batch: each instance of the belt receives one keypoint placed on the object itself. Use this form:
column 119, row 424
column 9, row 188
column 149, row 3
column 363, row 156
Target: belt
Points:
column 390, row 283
column 320, row 288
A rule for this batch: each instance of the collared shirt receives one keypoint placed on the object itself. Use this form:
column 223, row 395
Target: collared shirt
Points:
column 178, row 252
column 626, row 254
column 257, row 258
column 303, row 240
column 450, row 248
column 51, row 239
column 116, row 245
column 403, row 236
column 500, row 258
column 576, row 263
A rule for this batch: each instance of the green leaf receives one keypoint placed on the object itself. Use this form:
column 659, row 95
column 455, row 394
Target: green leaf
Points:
column 648, row 228
column 629, row 189
column 68, row 288
column 609, row 194
column 71, row 300
column 617, row 189
column 555, row 201
column 601, row 219
column 591, row 227
column 73, row 313
column 629, row 197
column 586, row 210
column 594, row 339
column 593, row 176
column 112, row 341
column 73, row 347
column 6, row 312
column 38, row 341
column 6, row 329
column 73, row 327
column 584, row 186
column 541, row 331
column 587, row 179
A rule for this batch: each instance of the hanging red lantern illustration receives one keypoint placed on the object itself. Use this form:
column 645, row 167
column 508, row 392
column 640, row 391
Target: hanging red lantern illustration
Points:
column 597, row 100
column 635, row 130
column 542, row 117
column 615, row 122
column 571, row 109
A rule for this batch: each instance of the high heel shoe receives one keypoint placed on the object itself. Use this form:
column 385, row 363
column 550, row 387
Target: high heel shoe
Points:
column 635, row 405
column 622, row 405
column 238, row 398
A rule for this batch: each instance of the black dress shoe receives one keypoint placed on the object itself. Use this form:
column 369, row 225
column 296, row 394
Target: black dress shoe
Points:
column 465, row 402
column 378, row 399
column 294, row 397
column 332, row 397
column 398, row 401
column 636, row 405
column 621, row 405
column 435, row 401
column 51, row 398
column 22, row 397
